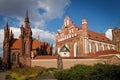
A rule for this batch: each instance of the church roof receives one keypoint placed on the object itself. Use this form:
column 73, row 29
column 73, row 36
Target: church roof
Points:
column 15, row 44
column 104, row 53
column 98, row 36
column 35, row 44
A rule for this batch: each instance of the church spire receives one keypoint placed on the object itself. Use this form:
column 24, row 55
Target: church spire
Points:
column 26, row 17
column 26, row 20
column 7, row 26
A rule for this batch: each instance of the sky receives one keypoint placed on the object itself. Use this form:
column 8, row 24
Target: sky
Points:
column 47, row 16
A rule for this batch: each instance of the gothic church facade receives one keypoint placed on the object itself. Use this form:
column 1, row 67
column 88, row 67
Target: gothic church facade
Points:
column 19, row 52
column 80, row 41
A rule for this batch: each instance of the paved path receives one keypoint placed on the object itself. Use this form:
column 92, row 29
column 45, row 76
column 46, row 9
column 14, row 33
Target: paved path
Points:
column 2, row 75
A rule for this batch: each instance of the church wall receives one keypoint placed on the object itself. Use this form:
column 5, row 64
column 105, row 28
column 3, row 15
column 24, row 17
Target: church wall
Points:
column 16, row 52
column 95, row 46
column 44, row 63
column 67, row 63
column 70, row 44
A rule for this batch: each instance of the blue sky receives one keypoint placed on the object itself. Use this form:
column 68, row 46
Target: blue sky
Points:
column 101, row 14
column 47, row 16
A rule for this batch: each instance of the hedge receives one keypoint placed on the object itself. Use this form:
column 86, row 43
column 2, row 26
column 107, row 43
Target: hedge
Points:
column 84, row 72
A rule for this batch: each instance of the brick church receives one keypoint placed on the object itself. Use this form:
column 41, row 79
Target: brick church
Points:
column 74, row 41
column 18, row 52
column 116, row 38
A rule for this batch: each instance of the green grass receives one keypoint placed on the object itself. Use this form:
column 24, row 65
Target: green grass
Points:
column 24, row 73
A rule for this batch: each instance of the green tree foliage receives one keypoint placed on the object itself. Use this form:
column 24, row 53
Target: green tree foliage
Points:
column 84, row 72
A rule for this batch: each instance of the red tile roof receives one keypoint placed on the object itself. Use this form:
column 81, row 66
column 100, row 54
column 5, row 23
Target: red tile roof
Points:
column 15, row 44
column 98, row 36
column 106, row 53
column 35, row 44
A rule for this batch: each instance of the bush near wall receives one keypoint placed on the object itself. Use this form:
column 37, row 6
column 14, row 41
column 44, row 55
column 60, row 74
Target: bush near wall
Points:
column 84, row 72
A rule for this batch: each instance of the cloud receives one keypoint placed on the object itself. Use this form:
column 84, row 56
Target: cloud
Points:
column 1, row 41
column 40, row 11
column 51, row 9
column 108, row 34
column 44, row 36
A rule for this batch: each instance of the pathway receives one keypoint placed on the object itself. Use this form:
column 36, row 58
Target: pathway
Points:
column 2, row 75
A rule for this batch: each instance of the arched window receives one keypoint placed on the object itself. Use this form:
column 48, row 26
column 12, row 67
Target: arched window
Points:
column 25, row 48
column 102, row 47
column 18, row 58
column 58, row 51
column 75, row 50
column 90, row 47
column 96, row 47
column 108, row 47
column 13, row 57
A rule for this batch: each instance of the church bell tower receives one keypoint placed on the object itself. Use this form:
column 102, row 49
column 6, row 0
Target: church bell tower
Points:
column 6, row 47
column 26, row 41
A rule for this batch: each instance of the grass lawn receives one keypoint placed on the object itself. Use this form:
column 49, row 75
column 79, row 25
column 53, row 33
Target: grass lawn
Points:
column 26, row 73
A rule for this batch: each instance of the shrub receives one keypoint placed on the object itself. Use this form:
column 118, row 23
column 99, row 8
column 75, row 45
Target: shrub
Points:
column 84, row 72
column 105, row 72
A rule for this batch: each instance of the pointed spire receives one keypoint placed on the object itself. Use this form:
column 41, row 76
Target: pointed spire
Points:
column 11, row 32
column 39, row 37
column 7, row 26
column 26, row 17
column 22, row 26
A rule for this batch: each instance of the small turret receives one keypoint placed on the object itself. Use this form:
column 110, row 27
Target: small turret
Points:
column 7, row 26
column 84, row 24
column 6, row 31
column 11, row 35
column 67, row 22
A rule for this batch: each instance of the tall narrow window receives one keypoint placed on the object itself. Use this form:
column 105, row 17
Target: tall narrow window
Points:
column 18, row 58
column 75, row 50
column 25, row 48
column 13, row 57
